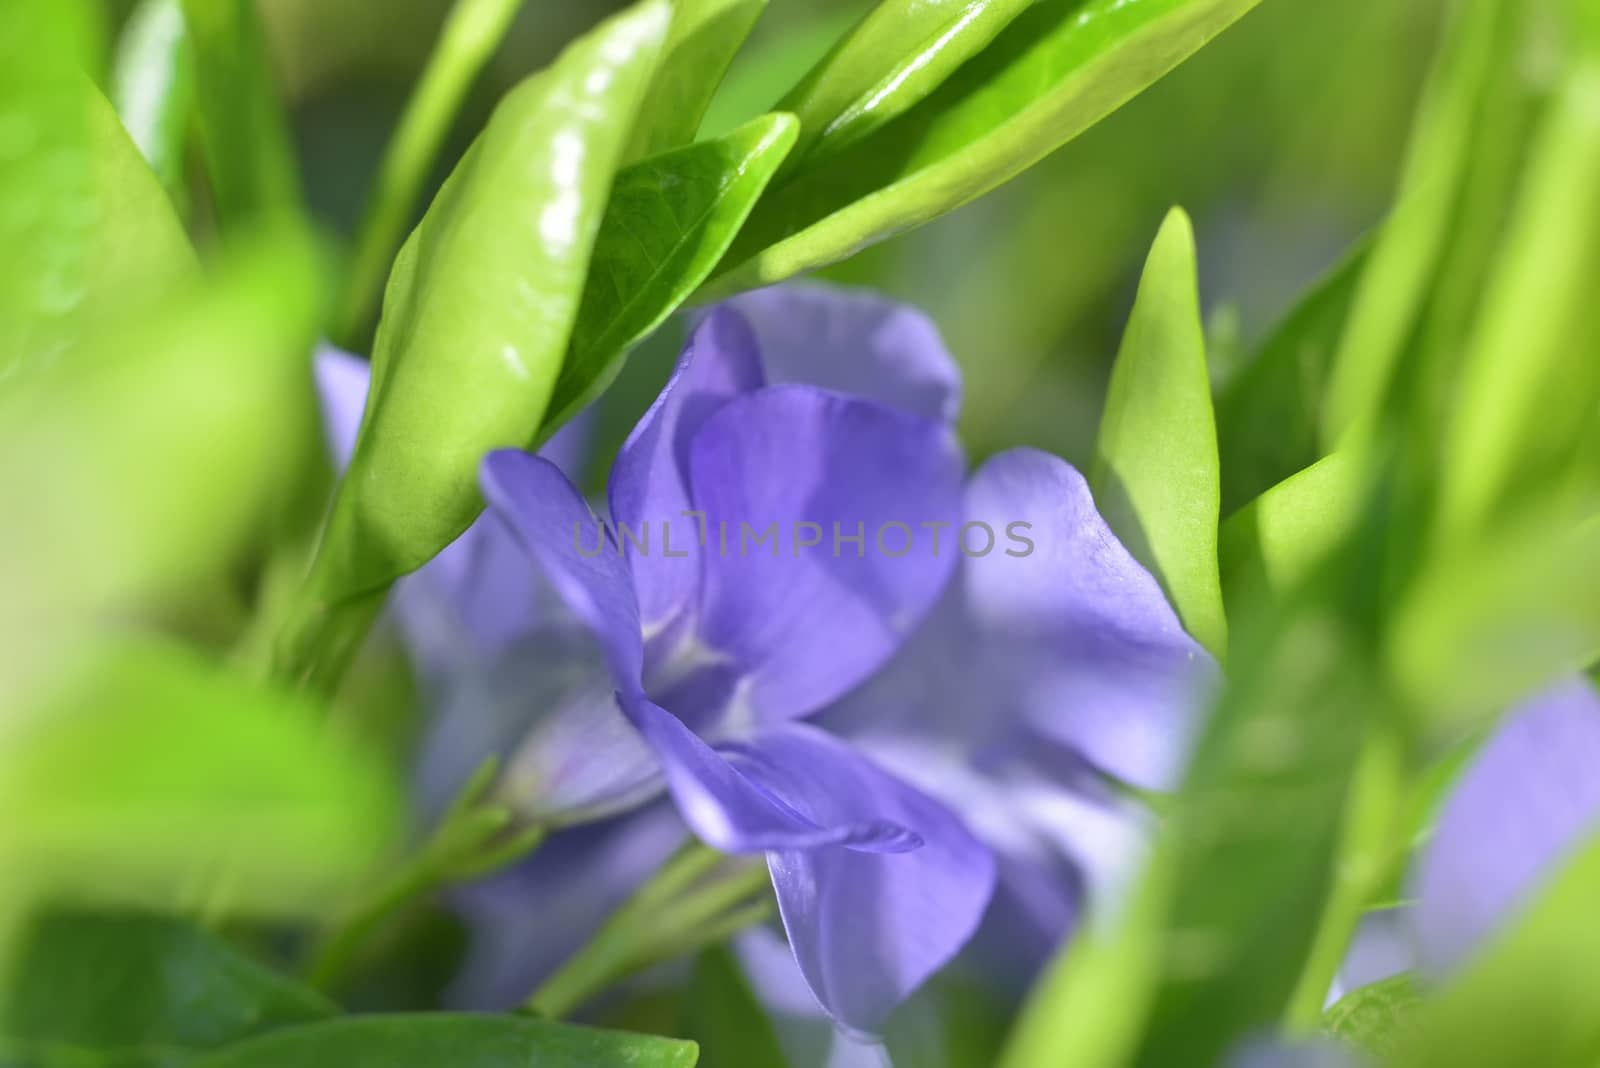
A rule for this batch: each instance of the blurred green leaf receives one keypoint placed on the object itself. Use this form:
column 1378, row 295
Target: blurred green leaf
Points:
column 1376, row 1018
column 705, row 36
column 249, row 155
column 1525, row 392
column 1210, row 948
column 723, row 1015
column 1401, row 263
column 436, row 1039
column 669, row 220
column 951, row 1022
column 1268, row 414
column 1280, row 536
column 900, row 52
column 153, row 87
column 1056, row 70
column 150, row 776
column 139, row 988
column 477, row 316
column 1531, row 996
column 1155, row 474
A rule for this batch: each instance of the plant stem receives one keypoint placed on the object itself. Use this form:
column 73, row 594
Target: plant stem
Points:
column 1365, row 857
column 697, row 899
column 471, row 32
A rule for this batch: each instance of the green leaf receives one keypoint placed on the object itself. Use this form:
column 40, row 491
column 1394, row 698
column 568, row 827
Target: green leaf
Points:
column 1269, row 413
column 1532, row 995
column 1376, row 1018
column 243, row 129
column 900, row 52
column 130, row 984
column 705, row 36
column 434, row 1040
column 1156, row 478
column 477, row 316
column 1400, row 266
column 1279, row 537
column 1209, row 949
column 153, row 87
column 153, row 777
column 1056, row 70
column 668, row 222
column 723, row 1015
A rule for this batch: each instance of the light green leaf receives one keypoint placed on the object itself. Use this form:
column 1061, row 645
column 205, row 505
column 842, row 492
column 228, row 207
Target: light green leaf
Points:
column 705, row 36
column 1268, row 414
column 1400, row 266
column 1531, row 996
column 1375, row 1018
column 139, row 988
column 1056, row 70
column 477, row 317
column 900, row 52
column 152, row 777
column 669, row 220
column 1156, row 477
column 1280, row 536
column 436, row 1039
column 153, row 87
column 243, row 129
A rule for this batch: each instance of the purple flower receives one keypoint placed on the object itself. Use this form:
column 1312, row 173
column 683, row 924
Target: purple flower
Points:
column 703, row 663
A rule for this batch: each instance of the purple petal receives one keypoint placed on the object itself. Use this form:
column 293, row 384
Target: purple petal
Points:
column 733, row 813
column 867, row 929
column 342, row 390
column 1531, row 796
column 555, row 526
column 805, row 1033
column 1101, row 661
column 854, row 342
column 803, row 624
column 548, row 706
column 650, row 480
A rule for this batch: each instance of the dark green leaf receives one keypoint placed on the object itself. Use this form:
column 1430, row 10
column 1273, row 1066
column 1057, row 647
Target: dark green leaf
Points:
column 1057, row 69
column 131, row 984
column 701, row 44
column 1155, row 475
column 243, row 128
column 893, row 58
column 1269, row 414
column 153, row 88
column 1375, row 1019
column 456, row 1041
column 669, row 220
column 722, row 1014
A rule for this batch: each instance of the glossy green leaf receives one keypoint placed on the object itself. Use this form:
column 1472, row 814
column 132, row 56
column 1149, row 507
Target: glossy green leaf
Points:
column 1279, row 537
column 151, row 776
column 139, row 985
column 1056, row 70
column 723, row 1015
column 437, row 1039
column 705, row 36
column 1269, row 413
column 1156, row 477
column 477, row 316
column 154, row 90
column 898, row 54
column 249, row 155
column 1376, row 1018
column 1400, row 266
column 1210, row 948
column 668, row 222
column 1531, row 995
column 1526, row 393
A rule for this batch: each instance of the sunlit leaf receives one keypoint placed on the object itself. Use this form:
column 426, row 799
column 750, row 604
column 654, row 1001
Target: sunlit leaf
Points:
column 1280, row 536
column 669, row 220
column 1057, row 69
column 153, row 87
column 1155, row 475
column 1375, row 1018
column 701, row 44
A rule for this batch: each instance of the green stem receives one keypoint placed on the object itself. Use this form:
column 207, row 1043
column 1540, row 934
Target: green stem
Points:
column 470, row 35
column 1367, row 852
column 697, row 899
